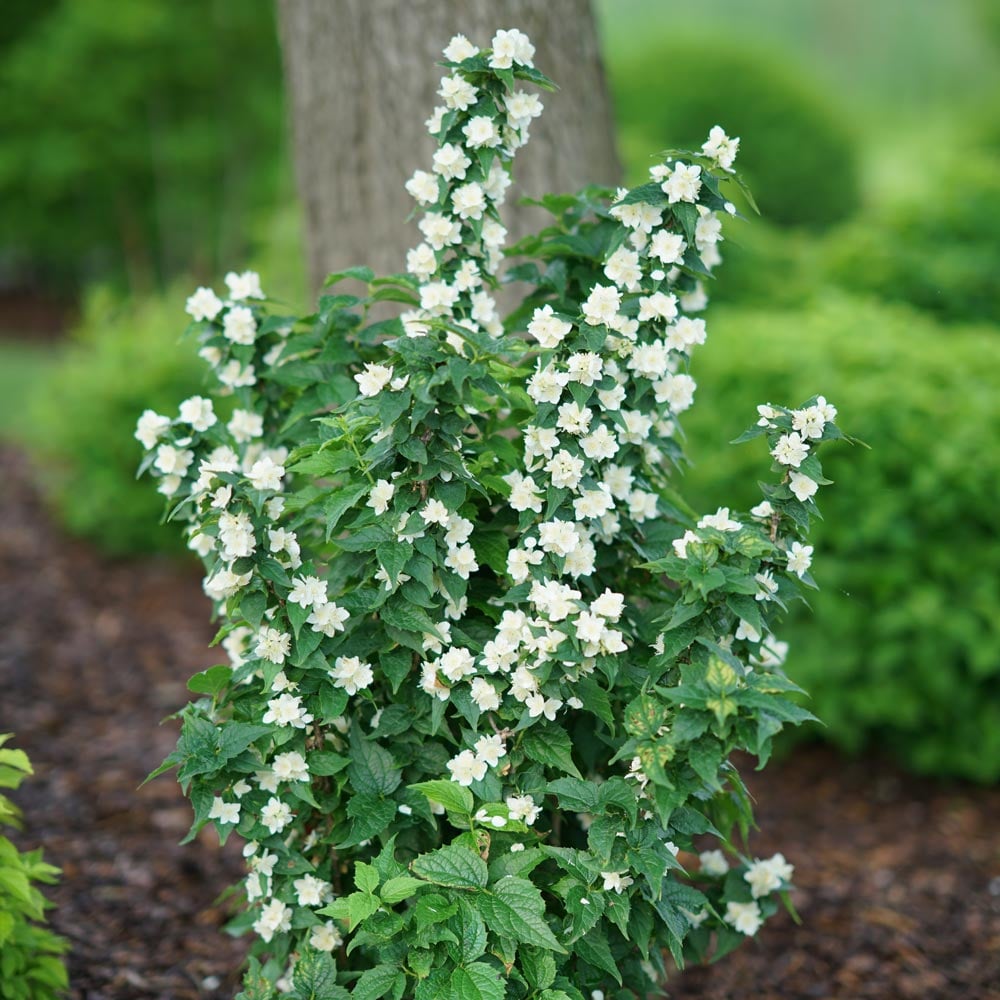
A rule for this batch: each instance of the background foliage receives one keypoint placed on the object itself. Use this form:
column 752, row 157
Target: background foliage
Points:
column 890, row 268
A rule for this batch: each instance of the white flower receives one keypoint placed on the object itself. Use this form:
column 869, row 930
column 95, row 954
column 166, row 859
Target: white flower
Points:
column 457, row 663
column 459, row 530
column 275, row 918
column 451, row 162
column 435, row 512
column 708, row 232
column 659, row 305
column 683, row 184
column 266, row 474
column 203, row 304
column 667, row 247
column 766, row 586
column 675, row 390
column 720, row 520
column 459, row 49
column 235, row 376
column 791, row 450
column 382, row 492
column 273, row 645
column 276, row 815
column 373, row 379
column 519, row 561
column 574, row 419
column 457, row 92
column 490, row 749
column 601, row 444
column 462, row 560
column 325, row 937
column 351, row 674
column 173, row 461
column 509, row 47
column 484, row 695
column 745, row 917
column 584, row 367
column 616, row 881
column 245, row 425
column 239, row 326
column 522, row 807
column 547, row 328
column 685, row 333
column 311, row 891
column 713, row 863
column 150, row 428
column 538, row 704
column 558, row 537
column 763, row 510
column 602, row 305
column 224, row 812
column 290, row 766
column 680, row 544
column 469, row 201
column 747, row 631
column 420, row 261
column 467, row 768
column 799, row 558
column 481, row 131
column 566, row 470
column 525, row 494
column 307, row 591
column 623, row 269
column 244, row 286
column 547, row 384
column 802, row 486
column 521, row 108
column 721, row 148
column 440, row 231
column 423, row 187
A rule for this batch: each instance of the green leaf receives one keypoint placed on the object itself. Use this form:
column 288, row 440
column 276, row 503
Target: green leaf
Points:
column 372, row 770
column 454, row 866
column 594, row 950
column 478, row 981
column 400, row 888
column 393, row 557
column 452, row 796
column 514, row 908
column 470, row 930
column 339, row 502
column 550, row 745
column 575, row 795
column 353, row 909
column 211, row 681
column 376, row 982
column 365, row 877
column 361, row 273
column 253, row 606
column 399, row 613
column 315, row 977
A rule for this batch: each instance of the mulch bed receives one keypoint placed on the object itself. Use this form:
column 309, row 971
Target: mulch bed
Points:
column 899, row 878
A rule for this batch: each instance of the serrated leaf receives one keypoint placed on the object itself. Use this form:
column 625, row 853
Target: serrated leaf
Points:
column 372, row 770
column 454, row 866
column 550, row 745
column 399, row 888
column 211, row 681
column 452, row 796
column 365, row 877
column 514, row 908
column 375, row 983
column 478, row 981
column 594, row 950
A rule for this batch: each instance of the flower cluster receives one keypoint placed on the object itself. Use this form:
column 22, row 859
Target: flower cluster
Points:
column 485, row 667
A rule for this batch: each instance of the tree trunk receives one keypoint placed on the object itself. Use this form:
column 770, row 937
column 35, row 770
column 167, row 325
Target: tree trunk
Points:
column 362, row 78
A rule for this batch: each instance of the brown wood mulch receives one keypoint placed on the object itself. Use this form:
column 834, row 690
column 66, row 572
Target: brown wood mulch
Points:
column 899, row 878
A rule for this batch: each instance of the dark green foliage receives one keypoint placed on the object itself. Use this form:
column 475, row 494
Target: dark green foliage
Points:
column 798, row 151
column 937, row 249
column 120, row 360
column 902, row 651
column 137, row 137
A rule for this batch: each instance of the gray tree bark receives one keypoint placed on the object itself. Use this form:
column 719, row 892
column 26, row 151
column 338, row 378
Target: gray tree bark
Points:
column 362, row 79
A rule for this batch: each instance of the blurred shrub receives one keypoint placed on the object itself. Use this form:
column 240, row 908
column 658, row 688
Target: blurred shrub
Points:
column 798, row 151
column 902, row 653
column 124, row 356
column 937, row 249
column 30, row 963
column 120, row 359
column 152, row 172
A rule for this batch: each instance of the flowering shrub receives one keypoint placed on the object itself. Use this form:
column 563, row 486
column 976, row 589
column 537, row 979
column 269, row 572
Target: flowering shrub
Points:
column 487, row 668
column 30, row 967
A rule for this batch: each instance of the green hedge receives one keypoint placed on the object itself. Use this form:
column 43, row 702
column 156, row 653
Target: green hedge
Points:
column 120, row 360
column 936, row 248
column 798, row 152
column 902, row 653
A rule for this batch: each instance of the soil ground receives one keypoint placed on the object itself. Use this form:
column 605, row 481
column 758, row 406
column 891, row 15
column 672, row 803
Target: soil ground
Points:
column 898, row 878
